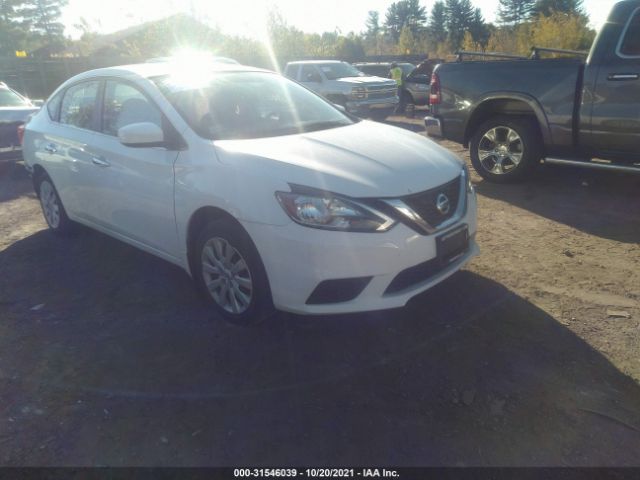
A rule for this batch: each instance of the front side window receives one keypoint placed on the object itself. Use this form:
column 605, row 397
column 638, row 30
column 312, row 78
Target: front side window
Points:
column 124, row 105
column 79, row 105
column 241, row 105
column 630, row 45
column 310, row 74
column 9, row 98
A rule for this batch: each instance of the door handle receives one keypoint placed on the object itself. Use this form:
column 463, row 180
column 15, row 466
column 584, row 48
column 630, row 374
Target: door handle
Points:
column 100, row 161
column 50, row 148
column 619, row 77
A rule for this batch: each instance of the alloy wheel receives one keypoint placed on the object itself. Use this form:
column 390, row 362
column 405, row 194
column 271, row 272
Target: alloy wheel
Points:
column 49, row 203
column 226, row 275
column 500, row 150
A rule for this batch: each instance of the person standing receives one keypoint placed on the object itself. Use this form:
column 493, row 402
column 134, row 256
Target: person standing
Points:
column 396, row 74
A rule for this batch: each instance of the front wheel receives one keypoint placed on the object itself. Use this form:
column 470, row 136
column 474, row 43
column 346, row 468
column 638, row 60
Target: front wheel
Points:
column 506, row 149
column 229, row 272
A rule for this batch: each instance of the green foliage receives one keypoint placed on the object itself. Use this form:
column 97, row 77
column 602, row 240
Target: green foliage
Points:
column 405, row 13
column 373, row 24
column 459, row 17
column 549, row 7
column 514, row 12
column 437, row 23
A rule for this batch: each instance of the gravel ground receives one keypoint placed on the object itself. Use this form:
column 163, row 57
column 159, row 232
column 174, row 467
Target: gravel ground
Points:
column 530, row 356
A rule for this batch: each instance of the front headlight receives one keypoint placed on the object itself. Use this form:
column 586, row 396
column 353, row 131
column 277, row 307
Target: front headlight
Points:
column 359, row 93
column 330, row 212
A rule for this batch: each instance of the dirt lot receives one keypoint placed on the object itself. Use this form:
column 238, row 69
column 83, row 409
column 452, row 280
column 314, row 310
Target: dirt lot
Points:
column 531, row 356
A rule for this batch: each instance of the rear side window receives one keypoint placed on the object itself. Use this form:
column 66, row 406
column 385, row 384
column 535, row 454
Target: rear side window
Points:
column 79, row 105
column 630, row 44
column 53, row 106
column 124, row 105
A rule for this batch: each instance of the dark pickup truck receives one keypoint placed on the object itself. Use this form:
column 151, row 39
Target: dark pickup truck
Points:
column 513, row 114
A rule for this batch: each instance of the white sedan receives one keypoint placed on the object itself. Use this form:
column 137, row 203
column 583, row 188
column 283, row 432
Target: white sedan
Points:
column 269, row 196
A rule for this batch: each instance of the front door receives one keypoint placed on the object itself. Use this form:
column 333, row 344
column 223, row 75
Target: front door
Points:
column 137, row 183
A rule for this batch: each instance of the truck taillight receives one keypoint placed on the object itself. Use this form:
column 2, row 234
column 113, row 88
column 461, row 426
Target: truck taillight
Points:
column 21, row 133
column 436, row 94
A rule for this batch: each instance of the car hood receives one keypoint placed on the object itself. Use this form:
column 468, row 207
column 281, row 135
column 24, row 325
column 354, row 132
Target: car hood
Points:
column 366, row 81
column 366, row 159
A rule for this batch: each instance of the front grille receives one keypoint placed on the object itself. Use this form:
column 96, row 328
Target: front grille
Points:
column 425, row 203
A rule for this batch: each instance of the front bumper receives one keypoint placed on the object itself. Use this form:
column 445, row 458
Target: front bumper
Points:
column 297, row 259
column 363, row 106
column 433, row 126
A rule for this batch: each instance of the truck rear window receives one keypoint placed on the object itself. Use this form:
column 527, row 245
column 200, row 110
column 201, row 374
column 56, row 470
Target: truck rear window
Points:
column 8, row 98
column 630, row 45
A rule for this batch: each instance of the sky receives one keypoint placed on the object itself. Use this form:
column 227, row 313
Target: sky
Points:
column 247, row 17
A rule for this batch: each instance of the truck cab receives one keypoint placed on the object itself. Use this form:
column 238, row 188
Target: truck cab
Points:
column 344, row 85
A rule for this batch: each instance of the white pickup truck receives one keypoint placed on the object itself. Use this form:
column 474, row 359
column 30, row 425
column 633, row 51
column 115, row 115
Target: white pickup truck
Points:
column 343, row 84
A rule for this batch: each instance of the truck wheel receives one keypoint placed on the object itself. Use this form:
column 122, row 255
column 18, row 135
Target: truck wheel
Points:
column 506, row 149
column 230, row 274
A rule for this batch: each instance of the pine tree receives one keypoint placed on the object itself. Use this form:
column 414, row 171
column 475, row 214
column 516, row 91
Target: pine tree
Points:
column 43, row 17
column 569, row 7
column 405, row 13
column 479, row 29
column 372, row 24
column 438, row 23
column 460, row 14
column 514, row 12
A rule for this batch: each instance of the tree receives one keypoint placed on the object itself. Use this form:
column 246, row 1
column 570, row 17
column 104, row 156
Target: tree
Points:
column 514, row 12
column 568, row 7
column 460, row 14
column 350, row 48
column 479, row 30
column 42, row 17
column 11, row 35
column 407, row 42
column 405, row 13
column 372, row 24
column 438, row 23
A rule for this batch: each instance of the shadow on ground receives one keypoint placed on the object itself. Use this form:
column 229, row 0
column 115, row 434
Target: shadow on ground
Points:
column 600, row 203
column 14, row 181
column 123, row 365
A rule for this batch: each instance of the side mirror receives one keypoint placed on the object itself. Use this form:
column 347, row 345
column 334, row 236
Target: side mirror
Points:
column 143, row 134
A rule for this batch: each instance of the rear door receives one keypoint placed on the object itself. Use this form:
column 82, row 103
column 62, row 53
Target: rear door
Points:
column 615, row 120
column 136, row 182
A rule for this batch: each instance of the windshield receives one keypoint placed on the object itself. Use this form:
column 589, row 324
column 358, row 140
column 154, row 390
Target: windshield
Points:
column 9, row 98
column 242, row 105
column 334, row 71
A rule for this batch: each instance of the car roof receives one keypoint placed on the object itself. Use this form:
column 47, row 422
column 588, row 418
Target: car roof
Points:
column 301, row 62
column 159, row 69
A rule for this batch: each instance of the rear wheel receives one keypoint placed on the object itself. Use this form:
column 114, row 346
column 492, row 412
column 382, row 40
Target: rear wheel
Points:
column 229, row 272
column 506, row 149
column 52, row 208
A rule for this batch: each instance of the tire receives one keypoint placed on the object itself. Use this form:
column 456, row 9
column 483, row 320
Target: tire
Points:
column 242, row 297
column 379, row 115
column 513, row 155
column 52, row 209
